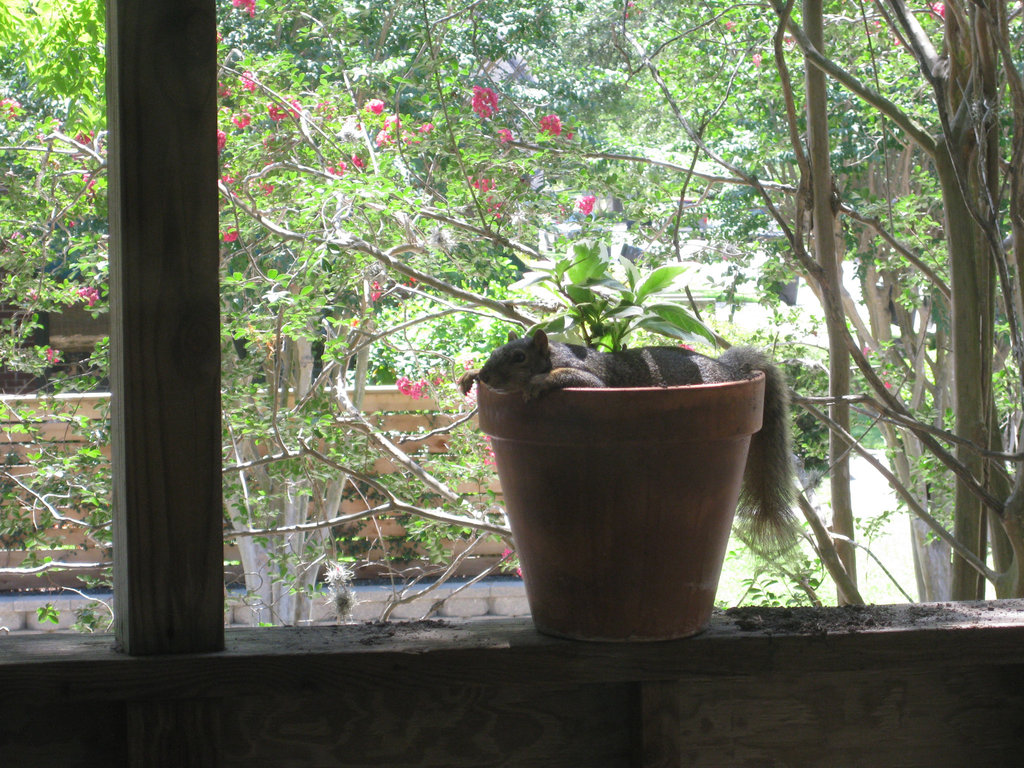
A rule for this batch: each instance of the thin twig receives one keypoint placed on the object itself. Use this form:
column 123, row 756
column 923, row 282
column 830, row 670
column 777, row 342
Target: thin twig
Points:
column 906, row 495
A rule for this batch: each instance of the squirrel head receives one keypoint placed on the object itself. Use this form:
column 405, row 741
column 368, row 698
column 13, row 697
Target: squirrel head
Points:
column 511, row 366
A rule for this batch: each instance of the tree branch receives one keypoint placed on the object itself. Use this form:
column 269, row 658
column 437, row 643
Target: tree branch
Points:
column 921, row 136
column 907, row 497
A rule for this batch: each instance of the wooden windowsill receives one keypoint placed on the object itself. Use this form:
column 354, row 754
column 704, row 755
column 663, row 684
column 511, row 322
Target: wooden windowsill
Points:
column 742, row 643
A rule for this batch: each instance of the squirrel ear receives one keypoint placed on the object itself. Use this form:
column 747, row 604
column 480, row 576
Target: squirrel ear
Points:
column 540, row 341
column 512, row 336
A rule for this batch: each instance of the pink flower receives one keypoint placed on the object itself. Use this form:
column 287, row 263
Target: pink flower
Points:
column 730, row 25
column 338, row 169
column 426, row 128
column 504, row 135
column 227, row 180
column 11, row 107
column 89, row 294
column 939, row 9
column 222, row 140
column 376, row 293
column 249, row 81
column 248, row 5
column 485, row 101
column 267, row 188
column 551, row 124
column 276, row 113
column 585, row 204
column 756, row 58
column 242, row 121
column 392, row 121
column 52, row 356
column 231, row 236
column 358, row 162
column 376, row 106
column 410, row 388
column 384, row 138
column 484, row 184
column 508, row 554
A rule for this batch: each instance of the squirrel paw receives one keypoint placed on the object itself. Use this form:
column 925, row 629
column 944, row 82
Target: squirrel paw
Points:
column 467, row 380
column 536, row 387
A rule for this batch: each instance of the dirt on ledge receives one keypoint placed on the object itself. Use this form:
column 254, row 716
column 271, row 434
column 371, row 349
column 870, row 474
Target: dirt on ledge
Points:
column 861, row 618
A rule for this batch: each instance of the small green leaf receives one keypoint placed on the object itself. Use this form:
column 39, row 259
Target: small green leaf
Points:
column 659, row 280
column 558, row 325
column 626, row 310
column 632, row 273
column 48, row 613
column 671, row 320
column 615, row 285
column 530, row 278
column 587, row 263
column 580, row 295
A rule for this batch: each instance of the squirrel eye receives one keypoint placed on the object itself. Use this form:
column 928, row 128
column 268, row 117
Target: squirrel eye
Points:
column 518, row 356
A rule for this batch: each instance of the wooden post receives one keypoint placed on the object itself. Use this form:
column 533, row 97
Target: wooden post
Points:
column 660, row 731
column 165, row 359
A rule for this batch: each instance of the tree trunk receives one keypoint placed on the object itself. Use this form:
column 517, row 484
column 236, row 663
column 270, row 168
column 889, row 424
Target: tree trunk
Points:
column 931, row 563
column 828, row 255
column 972, row 289
column 967, row 164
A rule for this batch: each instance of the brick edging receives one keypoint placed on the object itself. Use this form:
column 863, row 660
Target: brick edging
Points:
column 505, row 598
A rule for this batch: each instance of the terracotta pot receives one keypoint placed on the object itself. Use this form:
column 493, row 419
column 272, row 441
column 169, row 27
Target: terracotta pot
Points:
column 621, row 501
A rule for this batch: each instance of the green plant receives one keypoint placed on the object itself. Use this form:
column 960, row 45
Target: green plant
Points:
column 605, row 300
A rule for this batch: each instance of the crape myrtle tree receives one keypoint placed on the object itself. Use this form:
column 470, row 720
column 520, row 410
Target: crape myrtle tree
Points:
column 374, row 208
column 52, row 258
column 385, row 172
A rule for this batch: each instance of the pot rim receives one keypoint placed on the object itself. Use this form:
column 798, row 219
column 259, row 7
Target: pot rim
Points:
column 724, row 410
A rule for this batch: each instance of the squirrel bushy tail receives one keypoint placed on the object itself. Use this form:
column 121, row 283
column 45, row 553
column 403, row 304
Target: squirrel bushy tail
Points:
column 765, row 519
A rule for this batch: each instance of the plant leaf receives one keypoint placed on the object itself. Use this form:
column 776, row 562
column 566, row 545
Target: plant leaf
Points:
column 659, row 280
column 530, row 278
column 678, row 318
column 587, row 263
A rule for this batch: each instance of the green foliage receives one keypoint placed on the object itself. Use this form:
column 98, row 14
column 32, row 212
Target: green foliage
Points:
column 603, row 310
column 48, row 614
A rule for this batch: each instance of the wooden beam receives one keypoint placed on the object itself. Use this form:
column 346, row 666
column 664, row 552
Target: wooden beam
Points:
column 914, row 686
column 165, row 359
column 748, row 643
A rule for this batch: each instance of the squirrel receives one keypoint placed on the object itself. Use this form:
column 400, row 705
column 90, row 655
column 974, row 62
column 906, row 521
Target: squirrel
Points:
column 534, row 365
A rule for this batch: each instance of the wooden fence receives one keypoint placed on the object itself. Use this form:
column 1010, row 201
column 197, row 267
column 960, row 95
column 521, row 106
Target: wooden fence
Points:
column 60, row 424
